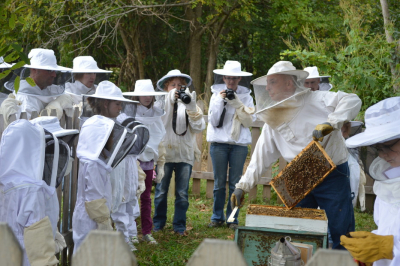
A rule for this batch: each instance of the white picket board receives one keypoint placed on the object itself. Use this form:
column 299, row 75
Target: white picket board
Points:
column 104, row 248
column 287, row 223
column 331, row 257
column 10, row 250
column 217, row 252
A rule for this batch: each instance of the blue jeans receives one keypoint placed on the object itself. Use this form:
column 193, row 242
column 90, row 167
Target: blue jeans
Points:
column 223, row 154
column 182, row 177
column 334, row 196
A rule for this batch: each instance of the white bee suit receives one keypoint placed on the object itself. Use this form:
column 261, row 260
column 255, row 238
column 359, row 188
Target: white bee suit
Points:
column 93, row 178
column 76, row 89
column 25, row 199
column 387, row 207
column 354, row 177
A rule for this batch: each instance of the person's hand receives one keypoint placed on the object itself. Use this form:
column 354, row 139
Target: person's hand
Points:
column 105, row 225
column 176, row 94
column 321, row 131
column 368, row 247
column 222, row 94
column 59, row 242
column 237, row 198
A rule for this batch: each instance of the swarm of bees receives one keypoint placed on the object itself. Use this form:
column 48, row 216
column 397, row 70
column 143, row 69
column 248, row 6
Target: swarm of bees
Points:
column 306, row 213
column 303, row 174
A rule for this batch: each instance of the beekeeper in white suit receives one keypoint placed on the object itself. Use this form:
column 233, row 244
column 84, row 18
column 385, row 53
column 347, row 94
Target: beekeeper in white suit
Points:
column 44, row 95
column 294, row 116
column 381, row 246
column 28, row 203
column 85, row 74
column 314, row 80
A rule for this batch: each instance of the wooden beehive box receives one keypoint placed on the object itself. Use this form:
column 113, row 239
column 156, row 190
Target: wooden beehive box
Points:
column 306, row 171
column 297, row 219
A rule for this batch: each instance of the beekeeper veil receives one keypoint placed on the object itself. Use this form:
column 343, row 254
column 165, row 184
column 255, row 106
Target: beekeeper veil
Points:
column 4, row 70
column 280, row 93
column 103, row 139
column 57, row 160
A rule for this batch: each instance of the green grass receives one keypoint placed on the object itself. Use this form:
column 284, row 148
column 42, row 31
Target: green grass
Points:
column 176, row 250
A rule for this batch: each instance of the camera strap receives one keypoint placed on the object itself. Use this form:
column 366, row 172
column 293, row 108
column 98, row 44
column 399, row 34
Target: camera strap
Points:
column 174, row 120
column 221, row 119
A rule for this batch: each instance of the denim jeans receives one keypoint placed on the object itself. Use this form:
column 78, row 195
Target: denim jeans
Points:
column 223, row 155
column 182, row 177
column 334, row 196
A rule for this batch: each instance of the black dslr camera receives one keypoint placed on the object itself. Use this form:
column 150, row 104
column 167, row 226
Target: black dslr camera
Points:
column 230, row 94
column 183, row 95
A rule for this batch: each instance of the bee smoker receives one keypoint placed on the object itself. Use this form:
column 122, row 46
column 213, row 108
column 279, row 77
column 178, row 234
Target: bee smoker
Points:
column 285, row 254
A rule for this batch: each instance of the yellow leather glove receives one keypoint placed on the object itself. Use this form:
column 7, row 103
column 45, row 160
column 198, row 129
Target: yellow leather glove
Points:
column 368, row 247
column 321, row 131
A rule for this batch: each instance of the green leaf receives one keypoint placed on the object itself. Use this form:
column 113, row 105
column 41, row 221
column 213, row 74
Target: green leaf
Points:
column 16, row 84
column 18, row 65
column 5, row 49
column 5, row 73
column 30, row 81
column 11, row 57
column 23, row 56
column 11, row 22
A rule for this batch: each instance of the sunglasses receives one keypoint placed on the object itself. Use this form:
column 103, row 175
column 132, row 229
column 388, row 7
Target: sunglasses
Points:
column 381, row 148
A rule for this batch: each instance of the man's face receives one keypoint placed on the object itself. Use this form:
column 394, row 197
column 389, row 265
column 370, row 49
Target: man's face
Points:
column 43, row 78
column 312, row 83
column 280, row 87
column 232, row 82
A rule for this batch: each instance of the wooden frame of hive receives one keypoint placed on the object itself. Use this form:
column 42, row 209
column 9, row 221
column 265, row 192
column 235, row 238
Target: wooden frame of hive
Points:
column 282, row 218
column 313, row 151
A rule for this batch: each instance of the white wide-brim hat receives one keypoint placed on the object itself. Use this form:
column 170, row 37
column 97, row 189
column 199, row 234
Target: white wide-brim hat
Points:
column 3, row 64
column 108, row 90
column 381, row 122
column 144, row 87
column 52, row 124
column 172, row 74
column 232, row 68
column 314, row 73
column 281, row 67
column 86, row 64
column 44, row 59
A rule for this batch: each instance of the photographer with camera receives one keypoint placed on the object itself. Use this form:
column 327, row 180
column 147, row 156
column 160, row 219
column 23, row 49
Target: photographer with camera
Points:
column 182, row 120
column 230, row 115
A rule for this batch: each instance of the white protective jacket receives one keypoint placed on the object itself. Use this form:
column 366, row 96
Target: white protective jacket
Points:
column 387, row 207
column 24, row 197
column 223, row 134
column 181, row 149
column 93, row 182
column 289, row 137
column 76, row 89
column 33, row 98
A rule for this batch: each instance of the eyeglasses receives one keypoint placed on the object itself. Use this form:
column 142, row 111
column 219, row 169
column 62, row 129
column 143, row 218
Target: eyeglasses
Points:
column 50, row 71
column 231, row 78
column 381, row 148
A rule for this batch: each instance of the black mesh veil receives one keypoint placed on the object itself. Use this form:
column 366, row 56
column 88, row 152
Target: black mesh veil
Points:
column 142, row 133
column 57, row 155
column 245, row 80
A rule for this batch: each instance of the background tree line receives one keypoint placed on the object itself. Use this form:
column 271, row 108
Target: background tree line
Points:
column 354, row 41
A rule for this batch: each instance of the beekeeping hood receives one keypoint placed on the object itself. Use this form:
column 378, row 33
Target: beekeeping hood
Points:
column 103, row 140
column 231, row 69
column 381, row 122
column 85, row 64
column 275, row 113
column 108, row 91
column 58, row 161
column 43, row 59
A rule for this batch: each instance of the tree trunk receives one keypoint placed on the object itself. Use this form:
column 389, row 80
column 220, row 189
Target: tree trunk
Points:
column 389, row 37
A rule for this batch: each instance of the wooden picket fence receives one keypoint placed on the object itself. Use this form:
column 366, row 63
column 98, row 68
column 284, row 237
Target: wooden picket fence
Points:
column 67, row 193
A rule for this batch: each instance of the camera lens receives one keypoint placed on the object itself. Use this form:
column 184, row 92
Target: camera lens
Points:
column 230, row 94
column 185, row 98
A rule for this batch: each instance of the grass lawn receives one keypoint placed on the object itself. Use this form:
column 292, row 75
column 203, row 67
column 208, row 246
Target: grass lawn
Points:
column 176, row 250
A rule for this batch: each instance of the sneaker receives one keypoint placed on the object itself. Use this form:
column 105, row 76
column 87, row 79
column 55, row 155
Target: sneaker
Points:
column 181, row 233
column 232, row 226
column 131, row 246
column 215, row 224
column 149, row 239
column 135, row 240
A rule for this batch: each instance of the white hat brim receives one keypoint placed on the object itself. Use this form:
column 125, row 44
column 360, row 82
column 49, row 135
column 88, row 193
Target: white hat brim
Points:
column 301, row 74
column 315, row 77
column 57, row 68
column 374, row 135
column 91, row 71
column 109, row 98
column 154, row 93
column 6, row 65
column 162, row 80
column 229, row 73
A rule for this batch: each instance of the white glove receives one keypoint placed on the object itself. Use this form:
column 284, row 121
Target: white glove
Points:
column 10, row 106
column 62, row 102
column 171, row 96
column 192, row 105
column 141, row 181
column 99, row 212
column 160, row 162
column 105, row 225
column 160, row 173
column 59, row 242
column 236, row 102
